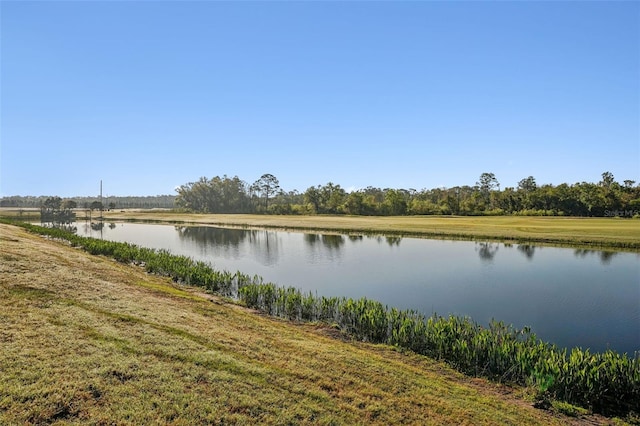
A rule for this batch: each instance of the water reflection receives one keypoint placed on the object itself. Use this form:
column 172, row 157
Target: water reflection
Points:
column 265, row 246
column 207, row 235
column 91, row 228
column 390, row 240
column 605, row 256
column 527, row 250
column 334, row 242
column 330, row 241
column 311, row 239
column 487, row 251
column 97, row 226
column 65, row 226
column 393, row 241
column 324, row 248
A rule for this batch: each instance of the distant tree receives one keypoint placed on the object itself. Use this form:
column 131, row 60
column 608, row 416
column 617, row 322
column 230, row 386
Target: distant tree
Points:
column 611, row 192
column 607, row 180
column 568, row 200
column 330, row 198
column 527, row 184
column 354, row 203
column 157, row 201
column 194, row 196
column 233, row 195
column 452, row 201
column 333, row 197
column 510, row 200
column 216, row 195
column 55, row 210
column 394, row 202
column 267, row 186
column 96, row 205
column 69, row 204
column 313, row 196
column 592, row 197
column 290, row 199
column 486, row 184
column 53, row 203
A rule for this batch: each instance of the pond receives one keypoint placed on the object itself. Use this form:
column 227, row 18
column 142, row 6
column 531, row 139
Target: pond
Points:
column 570, row 297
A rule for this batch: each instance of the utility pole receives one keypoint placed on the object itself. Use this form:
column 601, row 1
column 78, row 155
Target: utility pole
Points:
column 101, row 199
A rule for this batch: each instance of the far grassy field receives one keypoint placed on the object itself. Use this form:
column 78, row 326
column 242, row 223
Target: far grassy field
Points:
column 598, row 232
column 25, row 214
column 86, row 340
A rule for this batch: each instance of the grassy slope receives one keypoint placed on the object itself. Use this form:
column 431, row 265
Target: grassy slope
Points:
column 86, row 340
column 560, row 230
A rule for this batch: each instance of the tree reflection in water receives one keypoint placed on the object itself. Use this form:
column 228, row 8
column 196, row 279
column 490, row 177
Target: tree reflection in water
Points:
column 389, row 239
column 264, row 246
column 527, row 250
column 487, row 251
column 333, row 242
column 393, row 241
column 65, row 226
column 97, row 226
column 209, row 235
column 330, row 241
column 605, row 256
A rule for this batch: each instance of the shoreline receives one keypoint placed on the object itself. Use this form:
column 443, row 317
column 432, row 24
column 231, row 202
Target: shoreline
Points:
column 598, row 233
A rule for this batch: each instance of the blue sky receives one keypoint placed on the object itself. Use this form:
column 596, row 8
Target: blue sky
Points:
column 150, row 95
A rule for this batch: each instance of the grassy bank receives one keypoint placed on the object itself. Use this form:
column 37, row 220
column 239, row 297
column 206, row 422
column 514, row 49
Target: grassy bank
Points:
column 592, row 232
column 87, row 340
column 607, row 382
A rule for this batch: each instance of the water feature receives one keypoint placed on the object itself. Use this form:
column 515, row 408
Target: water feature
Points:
column 571, row 297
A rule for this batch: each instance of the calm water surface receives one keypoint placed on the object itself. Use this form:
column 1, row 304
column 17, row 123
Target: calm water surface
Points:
column 571, row 297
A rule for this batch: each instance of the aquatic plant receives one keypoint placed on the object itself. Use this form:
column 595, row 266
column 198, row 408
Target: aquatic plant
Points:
column 605, row 382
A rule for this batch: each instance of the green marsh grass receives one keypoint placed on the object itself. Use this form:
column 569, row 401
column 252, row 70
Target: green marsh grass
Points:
column 605, row 382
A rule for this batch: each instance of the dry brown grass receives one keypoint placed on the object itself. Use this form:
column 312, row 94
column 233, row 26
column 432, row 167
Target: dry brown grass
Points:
column 85, row 340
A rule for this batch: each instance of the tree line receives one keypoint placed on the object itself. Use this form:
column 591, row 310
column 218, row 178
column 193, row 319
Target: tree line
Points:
column 486, row 197
column 233, row 195
column 57, row 211
column 110, row 202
